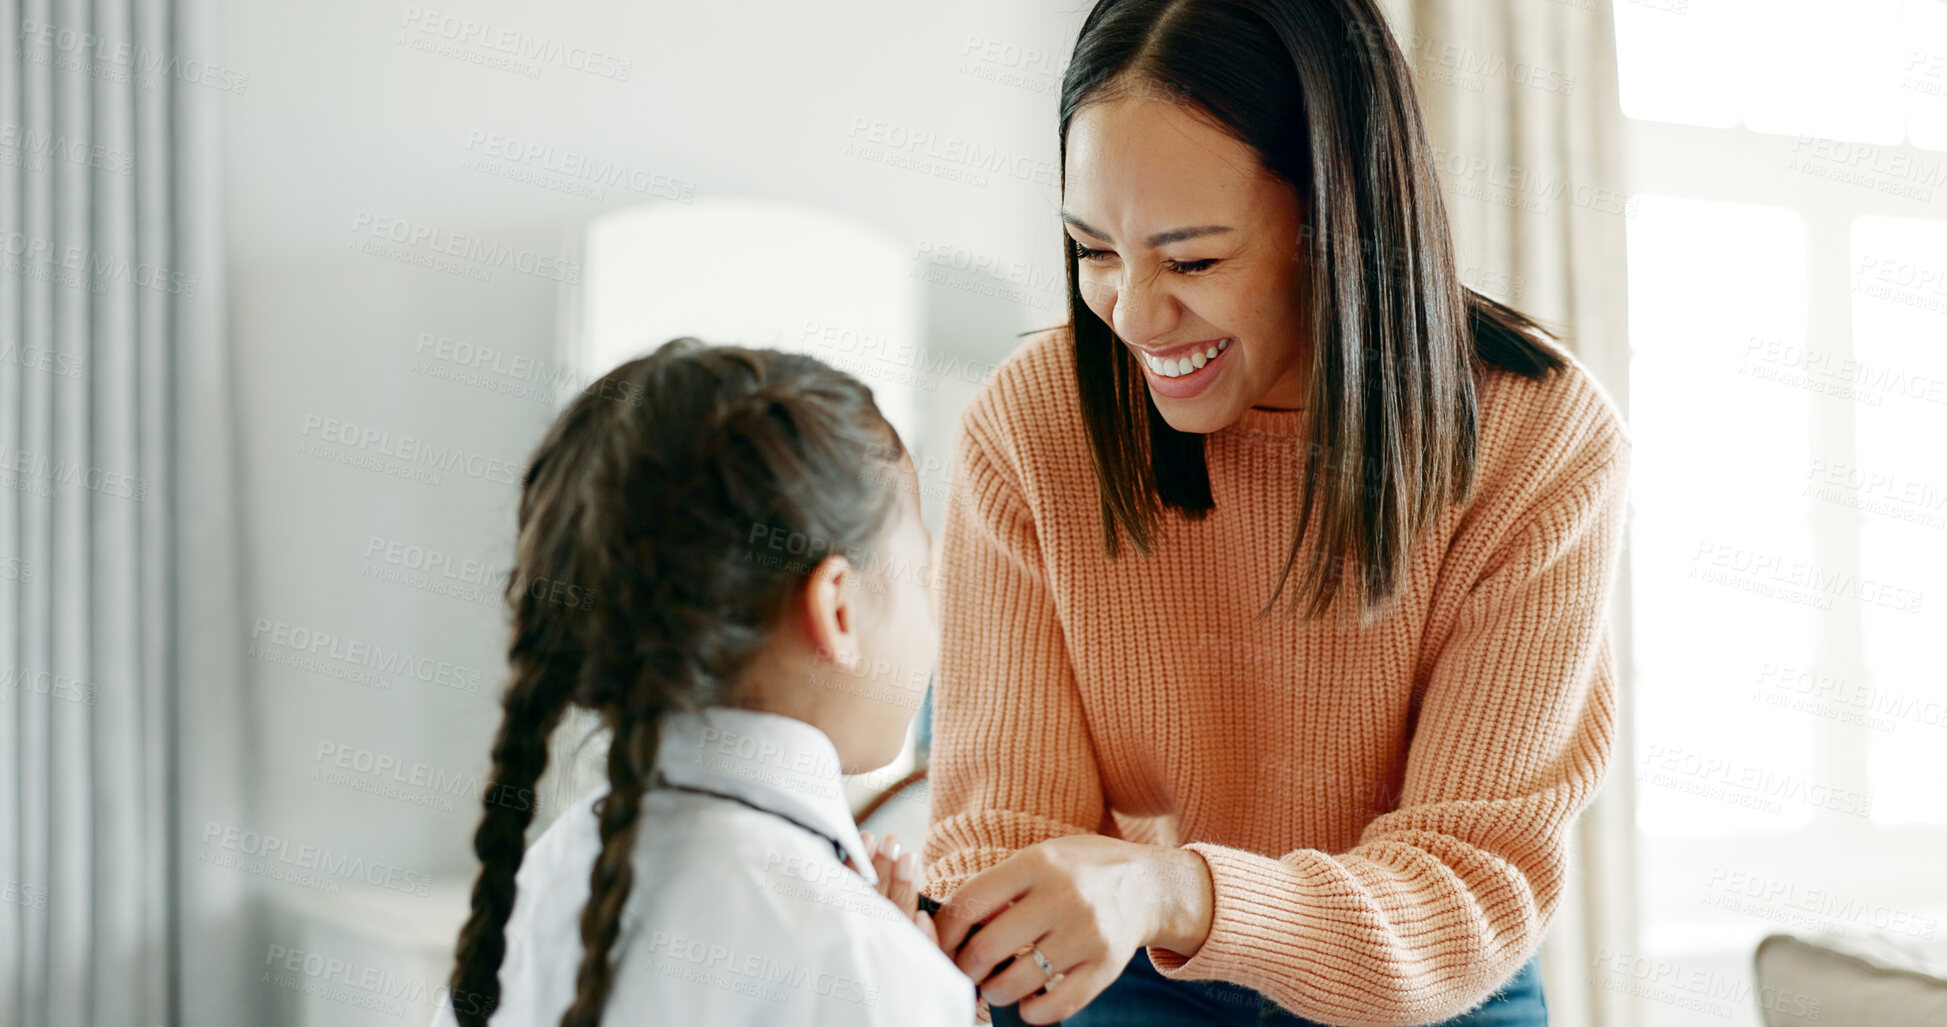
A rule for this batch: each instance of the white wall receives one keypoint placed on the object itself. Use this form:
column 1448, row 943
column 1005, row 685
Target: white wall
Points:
column 347, row 121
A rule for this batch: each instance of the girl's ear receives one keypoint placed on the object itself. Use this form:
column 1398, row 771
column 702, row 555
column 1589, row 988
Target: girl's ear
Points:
column 828, row 616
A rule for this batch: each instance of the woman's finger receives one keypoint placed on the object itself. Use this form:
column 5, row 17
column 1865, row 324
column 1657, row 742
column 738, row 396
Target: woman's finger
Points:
column 1021, row 978
column 925, row 925
column 1024, row 923
column 980, row 898
column 1077, row 988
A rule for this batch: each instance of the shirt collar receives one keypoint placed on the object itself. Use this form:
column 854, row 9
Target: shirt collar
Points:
column 770, row 760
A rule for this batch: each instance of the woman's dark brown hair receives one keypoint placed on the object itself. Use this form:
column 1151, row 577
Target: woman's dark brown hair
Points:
column 1321, row 92
column 639, row 506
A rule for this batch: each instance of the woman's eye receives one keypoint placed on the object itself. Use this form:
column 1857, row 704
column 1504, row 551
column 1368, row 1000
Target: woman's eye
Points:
column 1179, row 266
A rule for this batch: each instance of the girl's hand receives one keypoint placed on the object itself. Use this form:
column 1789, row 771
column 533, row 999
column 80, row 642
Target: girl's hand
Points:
column 898, row 872
column 1087, row 902
column 925, row 924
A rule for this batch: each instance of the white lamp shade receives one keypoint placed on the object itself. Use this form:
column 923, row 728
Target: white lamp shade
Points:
column 755, row 272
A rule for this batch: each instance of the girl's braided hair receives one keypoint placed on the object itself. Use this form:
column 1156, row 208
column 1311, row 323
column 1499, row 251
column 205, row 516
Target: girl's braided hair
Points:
column 637, row 591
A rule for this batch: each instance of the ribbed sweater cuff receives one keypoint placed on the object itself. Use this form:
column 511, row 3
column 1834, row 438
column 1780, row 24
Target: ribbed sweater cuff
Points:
column 1281, row 927
column 957, row 868
column 1299, row 932
column 1256, row 909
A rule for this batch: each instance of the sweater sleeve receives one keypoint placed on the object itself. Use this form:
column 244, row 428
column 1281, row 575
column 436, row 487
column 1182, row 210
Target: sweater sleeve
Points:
column 1012, row 762
column 1445, row 896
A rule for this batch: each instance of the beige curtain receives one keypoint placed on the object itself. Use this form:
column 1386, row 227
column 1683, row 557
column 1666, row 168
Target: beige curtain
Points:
column 1521, row 100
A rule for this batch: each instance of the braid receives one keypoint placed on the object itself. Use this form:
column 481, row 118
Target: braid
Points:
column 712, row 447
column 534, row 703
column 544, row 680
column 609, row 882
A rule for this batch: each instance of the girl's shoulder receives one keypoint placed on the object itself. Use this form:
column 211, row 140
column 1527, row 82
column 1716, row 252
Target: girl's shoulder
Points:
column 763, row 897
column 734, row 916
column 700, row 858
column 570, row 838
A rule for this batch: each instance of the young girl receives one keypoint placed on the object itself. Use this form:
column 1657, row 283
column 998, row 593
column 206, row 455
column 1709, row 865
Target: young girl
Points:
column 721, row 555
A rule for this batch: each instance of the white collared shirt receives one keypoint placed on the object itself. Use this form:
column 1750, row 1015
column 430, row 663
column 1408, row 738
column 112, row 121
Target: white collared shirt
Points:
column 737, row 916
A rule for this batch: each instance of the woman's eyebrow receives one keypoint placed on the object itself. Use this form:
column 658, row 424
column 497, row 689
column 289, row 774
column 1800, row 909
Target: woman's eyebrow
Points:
column 1159, row 239
column 1180, row 234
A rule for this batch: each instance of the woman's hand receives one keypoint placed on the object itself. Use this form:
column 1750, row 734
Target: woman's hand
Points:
column 1087, row 902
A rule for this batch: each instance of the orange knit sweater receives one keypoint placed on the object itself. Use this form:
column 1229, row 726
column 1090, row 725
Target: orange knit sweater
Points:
column 1385, row 809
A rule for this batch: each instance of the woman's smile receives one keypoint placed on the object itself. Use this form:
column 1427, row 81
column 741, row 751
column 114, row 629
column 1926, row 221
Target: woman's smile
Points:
column 1181, row 372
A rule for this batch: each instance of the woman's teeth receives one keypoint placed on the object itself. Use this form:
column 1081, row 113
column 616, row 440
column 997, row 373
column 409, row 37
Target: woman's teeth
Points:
column 1184, row 365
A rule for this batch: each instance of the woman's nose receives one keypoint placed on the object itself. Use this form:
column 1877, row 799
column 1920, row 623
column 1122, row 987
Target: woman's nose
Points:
column 1144, row 310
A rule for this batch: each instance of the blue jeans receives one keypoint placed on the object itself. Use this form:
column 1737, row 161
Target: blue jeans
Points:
column 1141, row 997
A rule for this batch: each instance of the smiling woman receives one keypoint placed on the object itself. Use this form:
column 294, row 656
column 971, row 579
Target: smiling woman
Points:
column 1290, row 137
column 1187, row 805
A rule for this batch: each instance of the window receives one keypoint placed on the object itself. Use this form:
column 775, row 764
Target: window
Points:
column 1788, row 327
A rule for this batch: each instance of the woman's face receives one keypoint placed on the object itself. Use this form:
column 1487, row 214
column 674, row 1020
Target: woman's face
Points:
column 1187, row 246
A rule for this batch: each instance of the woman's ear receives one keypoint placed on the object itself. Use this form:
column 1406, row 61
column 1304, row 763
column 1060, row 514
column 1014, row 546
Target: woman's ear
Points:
column 829, row 613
